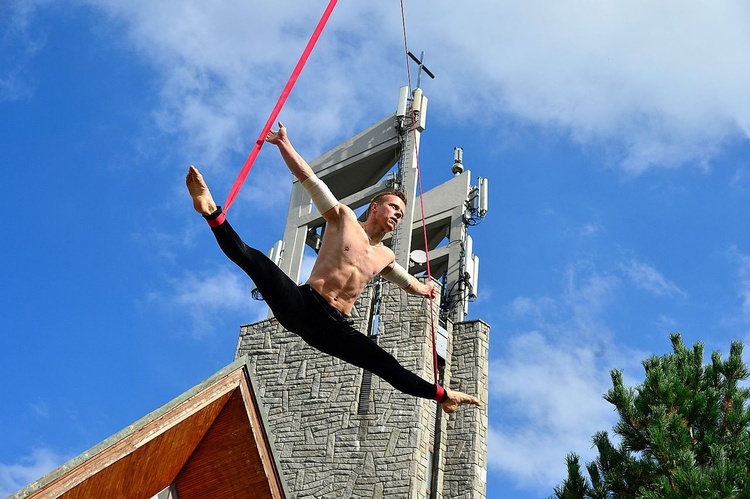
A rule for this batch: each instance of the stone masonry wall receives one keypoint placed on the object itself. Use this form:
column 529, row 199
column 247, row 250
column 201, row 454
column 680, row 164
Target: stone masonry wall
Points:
column 328, row 450
column 466, row 459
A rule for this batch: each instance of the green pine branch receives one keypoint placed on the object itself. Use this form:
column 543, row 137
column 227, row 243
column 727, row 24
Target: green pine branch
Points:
column 682, row 433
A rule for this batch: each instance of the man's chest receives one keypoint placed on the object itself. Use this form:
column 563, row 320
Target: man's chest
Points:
column 366, row 258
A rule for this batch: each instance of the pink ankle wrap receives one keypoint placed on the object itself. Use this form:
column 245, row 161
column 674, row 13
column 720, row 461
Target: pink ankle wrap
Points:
column 440, row 394
column 217, row 221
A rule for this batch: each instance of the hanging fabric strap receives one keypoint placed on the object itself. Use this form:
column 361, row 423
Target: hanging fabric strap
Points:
column 279, row 104
column 421, row 204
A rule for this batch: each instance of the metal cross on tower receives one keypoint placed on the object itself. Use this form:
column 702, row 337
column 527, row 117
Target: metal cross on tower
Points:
column 422, row 67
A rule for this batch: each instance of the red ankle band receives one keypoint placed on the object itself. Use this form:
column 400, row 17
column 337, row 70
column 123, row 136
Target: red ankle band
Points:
column 441, row 395
column 216, row 221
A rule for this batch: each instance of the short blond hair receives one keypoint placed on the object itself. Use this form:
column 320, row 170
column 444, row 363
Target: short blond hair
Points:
column 380, row 197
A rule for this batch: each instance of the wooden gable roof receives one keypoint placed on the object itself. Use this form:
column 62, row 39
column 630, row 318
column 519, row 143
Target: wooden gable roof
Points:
column 209, row 442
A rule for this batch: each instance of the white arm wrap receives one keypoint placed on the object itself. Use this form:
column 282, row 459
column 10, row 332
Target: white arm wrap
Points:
column 398, row 276
column 321, row 195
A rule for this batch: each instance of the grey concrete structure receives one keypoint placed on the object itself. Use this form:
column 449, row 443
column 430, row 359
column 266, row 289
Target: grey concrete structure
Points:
column 385, row 157
column 466, row 459
column 341, row 432
column 340, row 435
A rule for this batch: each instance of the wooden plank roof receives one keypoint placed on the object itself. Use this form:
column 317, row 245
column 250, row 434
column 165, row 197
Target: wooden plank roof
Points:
column 211, row 441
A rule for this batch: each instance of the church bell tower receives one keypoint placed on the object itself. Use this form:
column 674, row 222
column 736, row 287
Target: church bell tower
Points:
column 339, row 430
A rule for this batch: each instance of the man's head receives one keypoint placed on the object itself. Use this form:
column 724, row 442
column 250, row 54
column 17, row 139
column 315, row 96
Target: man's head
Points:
column 388, row 207
column 383, row 195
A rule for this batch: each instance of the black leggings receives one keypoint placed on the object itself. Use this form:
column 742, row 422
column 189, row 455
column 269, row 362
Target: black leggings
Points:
column 303, row 311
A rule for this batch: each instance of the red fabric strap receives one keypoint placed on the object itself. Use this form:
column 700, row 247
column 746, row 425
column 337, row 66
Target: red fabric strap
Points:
column 279, row 104
column 440, row 394
column 421, row 204
column 215, row 222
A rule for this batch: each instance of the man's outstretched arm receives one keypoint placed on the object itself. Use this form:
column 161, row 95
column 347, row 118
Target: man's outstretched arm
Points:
column 296, row 164
column 398, row 275
column 319, row 192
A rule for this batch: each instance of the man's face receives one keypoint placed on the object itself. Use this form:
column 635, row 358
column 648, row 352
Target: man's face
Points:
column 390, row 211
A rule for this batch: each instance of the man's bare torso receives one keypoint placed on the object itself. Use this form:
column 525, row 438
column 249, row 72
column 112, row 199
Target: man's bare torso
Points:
column 346, row 262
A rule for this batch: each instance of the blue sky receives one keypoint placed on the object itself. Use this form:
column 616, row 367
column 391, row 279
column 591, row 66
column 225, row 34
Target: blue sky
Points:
column 614, row 135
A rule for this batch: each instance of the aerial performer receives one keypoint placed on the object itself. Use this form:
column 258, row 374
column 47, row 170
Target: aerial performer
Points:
column 351, row 254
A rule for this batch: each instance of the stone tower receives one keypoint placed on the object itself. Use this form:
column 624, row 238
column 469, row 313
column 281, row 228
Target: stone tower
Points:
column 340, row 431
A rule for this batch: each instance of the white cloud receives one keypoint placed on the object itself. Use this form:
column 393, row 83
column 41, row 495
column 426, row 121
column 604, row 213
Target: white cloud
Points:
column 40, row 409
column 653, row 84
column 741, row 180
column 666, row 323
column 220, row 289
column 663, row 84
column 525, row 306
column 646, row 277
column 269, row 189
column 15, row 476
column 589, row 229
column 743, row 278
column 549, row 380
column 585, row 295
column 17, row 47
column 223, row 66
column 206, row 296
column 553, row 395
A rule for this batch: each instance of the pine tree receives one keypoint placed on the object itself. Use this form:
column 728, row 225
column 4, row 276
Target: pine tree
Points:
column 683, row 433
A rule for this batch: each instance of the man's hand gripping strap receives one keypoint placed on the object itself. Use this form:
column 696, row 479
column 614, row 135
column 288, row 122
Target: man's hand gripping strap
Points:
column 321, row 195
column 398, row 276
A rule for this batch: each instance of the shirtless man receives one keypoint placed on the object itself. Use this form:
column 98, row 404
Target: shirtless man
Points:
column 351, row 254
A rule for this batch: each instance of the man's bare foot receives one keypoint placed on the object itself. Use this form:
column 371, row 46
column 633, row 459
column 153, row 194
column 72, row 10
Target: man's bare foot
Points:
column 458, row 398
column 203, row 202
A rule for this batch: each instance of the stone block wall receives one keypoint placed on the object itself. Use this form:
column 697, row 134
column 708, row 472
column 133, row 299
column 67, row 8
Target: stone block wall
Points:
column 327, row 449
column 466, row 458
